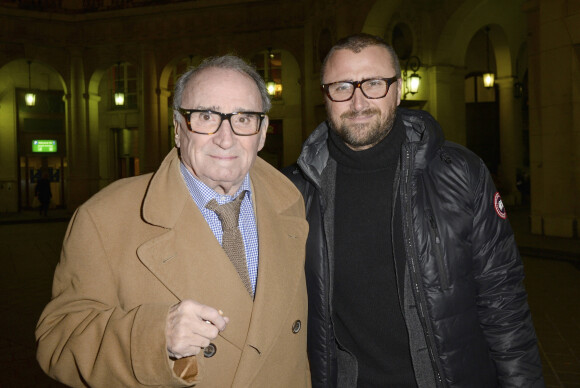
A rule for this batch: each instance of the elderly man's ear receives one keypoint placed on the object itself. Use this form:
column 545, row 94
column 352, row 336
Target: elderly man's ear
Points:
column 263, row 133
column 176, row 131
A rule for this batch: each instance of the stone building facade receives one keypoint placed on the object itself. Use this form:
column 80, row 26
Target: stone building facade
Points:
column 75, row 55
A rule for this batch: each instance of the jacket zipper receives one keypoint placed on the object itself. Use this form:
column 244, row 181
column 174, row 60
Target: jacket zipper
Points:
column 414, row 271
column 436, row 240
column 396, row 184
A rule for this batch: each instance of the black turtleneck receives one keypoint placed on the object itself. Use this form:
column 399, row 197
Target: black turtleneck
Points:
column 367, row 315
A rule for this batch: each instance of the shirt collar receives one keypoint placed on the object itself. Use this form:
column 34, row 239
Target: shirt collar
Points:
column 202, row 194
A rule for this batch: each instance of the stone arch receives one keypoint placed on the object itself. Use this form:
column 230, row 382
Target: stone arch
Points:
column 168, row 68
column 287, row 110
column 50, row 77
column 166, row 91
column 13, row 76
column 379, row 16
column 101, row 119
column 507, row 25
column 507, row 32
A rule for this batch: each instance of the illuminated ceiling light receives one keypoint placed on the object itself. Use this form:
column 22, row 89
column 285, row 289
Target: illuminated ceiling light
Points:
column 488, row 80
column 119, row 98
column 119, row 95
column 270, row 84
column 30, row 97
column 488, row 76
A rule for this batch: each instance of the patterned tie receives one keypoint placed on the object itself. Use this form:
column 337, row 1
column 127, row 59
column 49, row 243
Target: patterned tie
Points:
column 232, row 241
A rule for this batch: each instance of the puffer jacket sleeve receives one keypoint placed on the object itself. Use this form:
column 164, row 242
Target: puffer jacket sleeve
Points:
column 502, row 300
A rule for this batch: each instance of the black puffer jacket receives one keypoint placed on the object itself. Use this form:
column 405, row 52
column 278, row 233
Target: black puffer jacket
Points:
column 463, row 266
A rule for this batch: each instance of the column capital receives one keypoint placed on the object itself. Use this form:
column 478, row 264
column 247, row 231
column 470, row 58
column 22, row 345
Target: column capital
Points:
column 507, row 81
column 164, row 92
column 76, row 51
column 92, row 97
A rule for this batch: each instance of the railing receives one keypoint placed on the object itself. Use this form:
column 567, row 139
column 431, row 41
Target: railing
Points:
column 80, row 6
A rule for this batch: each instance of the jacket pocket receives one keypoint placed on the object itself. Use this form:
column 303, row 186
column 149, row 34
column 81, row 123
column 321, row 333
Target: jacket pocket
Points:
column 437, row 250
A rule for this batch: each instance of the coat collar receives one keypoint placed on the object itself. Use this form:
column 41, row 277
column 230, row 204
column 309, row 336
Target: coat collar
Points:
column 167, row 194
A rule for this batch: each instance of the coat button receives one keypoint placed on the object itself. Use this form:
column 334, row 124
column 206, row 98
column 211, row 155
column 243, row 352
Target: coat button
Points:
column 209, row 350
column 296, row 326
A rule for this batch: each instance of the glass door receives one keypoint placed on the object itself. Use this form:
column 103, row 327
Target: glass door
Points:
column 32, row 169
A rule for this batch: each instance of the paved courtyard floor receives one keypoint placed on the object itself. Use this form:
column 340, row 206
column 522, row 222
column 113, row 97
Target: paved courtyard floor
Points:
column 29, row 251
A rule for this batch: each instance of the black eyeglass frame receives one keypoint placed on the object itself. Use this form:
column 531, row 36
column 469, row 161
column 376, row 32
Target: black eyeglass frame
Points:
column 186, row 113
column 358, row 84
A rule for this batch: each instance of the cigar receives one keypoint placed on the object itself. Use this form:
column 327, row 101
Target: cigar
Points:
column 220, row 312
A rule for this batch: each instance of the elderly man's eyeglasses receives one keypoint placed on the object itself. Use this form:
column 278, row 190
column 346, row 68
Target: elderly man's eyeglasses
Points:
column 208, row 122
column 371, row 88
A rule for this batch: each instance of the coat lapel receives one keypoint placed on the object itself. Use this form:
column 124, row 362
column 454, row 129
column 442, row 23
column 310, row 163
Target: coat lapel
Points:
column 281, row 239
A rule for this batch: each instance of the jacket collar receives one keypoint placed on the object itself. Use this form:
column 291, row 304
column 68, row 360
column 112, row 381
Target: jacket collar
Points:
column 314, row 156
column 422, row 131
column 424, row 134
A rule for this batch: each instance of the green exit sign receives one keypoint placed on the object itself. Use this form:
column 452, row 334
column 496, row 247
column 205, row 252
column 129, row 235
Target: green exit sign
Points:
column 43, row 145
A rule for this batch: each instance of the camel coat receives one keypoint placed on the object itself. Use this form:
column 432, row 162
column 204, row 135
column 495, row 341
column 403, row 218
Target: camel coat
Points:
column 140, row 246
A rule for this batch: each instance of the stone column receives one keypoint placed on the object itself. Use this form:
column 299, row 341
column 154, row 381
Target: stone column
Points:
column 99, row 149
column 165, row 115
column 309, row 78
column 554, row 74
column 511, row 147
column 149, row 138
column 79, row 153
column 447, row 100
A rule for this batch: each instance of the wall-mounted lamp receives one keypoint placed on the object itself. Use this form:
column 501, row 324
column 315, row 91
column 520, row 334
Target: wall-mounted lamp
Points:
column 411, row 82
column 518, row 89
column 30, row 97
column 119, row 94
column 488, row 76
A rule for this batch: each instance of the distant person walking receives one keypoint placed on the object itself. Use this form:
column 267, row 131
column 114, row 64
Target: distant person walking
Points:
column 43, row 193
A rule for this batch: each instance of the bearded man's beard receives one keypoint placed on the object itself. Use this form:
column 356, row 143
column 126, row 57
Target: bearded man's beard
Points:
column 366, row 135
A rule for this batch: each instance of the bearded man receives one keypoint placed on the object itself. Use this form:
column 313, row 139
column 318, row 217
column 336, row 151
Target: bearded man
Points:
column 413, row 275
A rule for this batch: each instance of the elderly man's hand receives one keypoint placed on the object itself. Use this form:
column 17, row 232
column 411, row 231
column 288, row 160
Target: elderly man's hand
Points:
column 191, row 326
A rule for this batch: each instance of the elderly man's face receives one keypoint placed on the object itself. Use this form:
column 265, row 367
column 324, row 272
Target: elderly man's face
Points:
column 362, row 122
column 221, row 160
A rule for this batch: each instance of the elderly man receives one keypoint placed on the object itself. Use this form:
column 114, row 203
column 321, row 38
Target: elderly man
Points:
column 413, row 274
column 144, row 295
